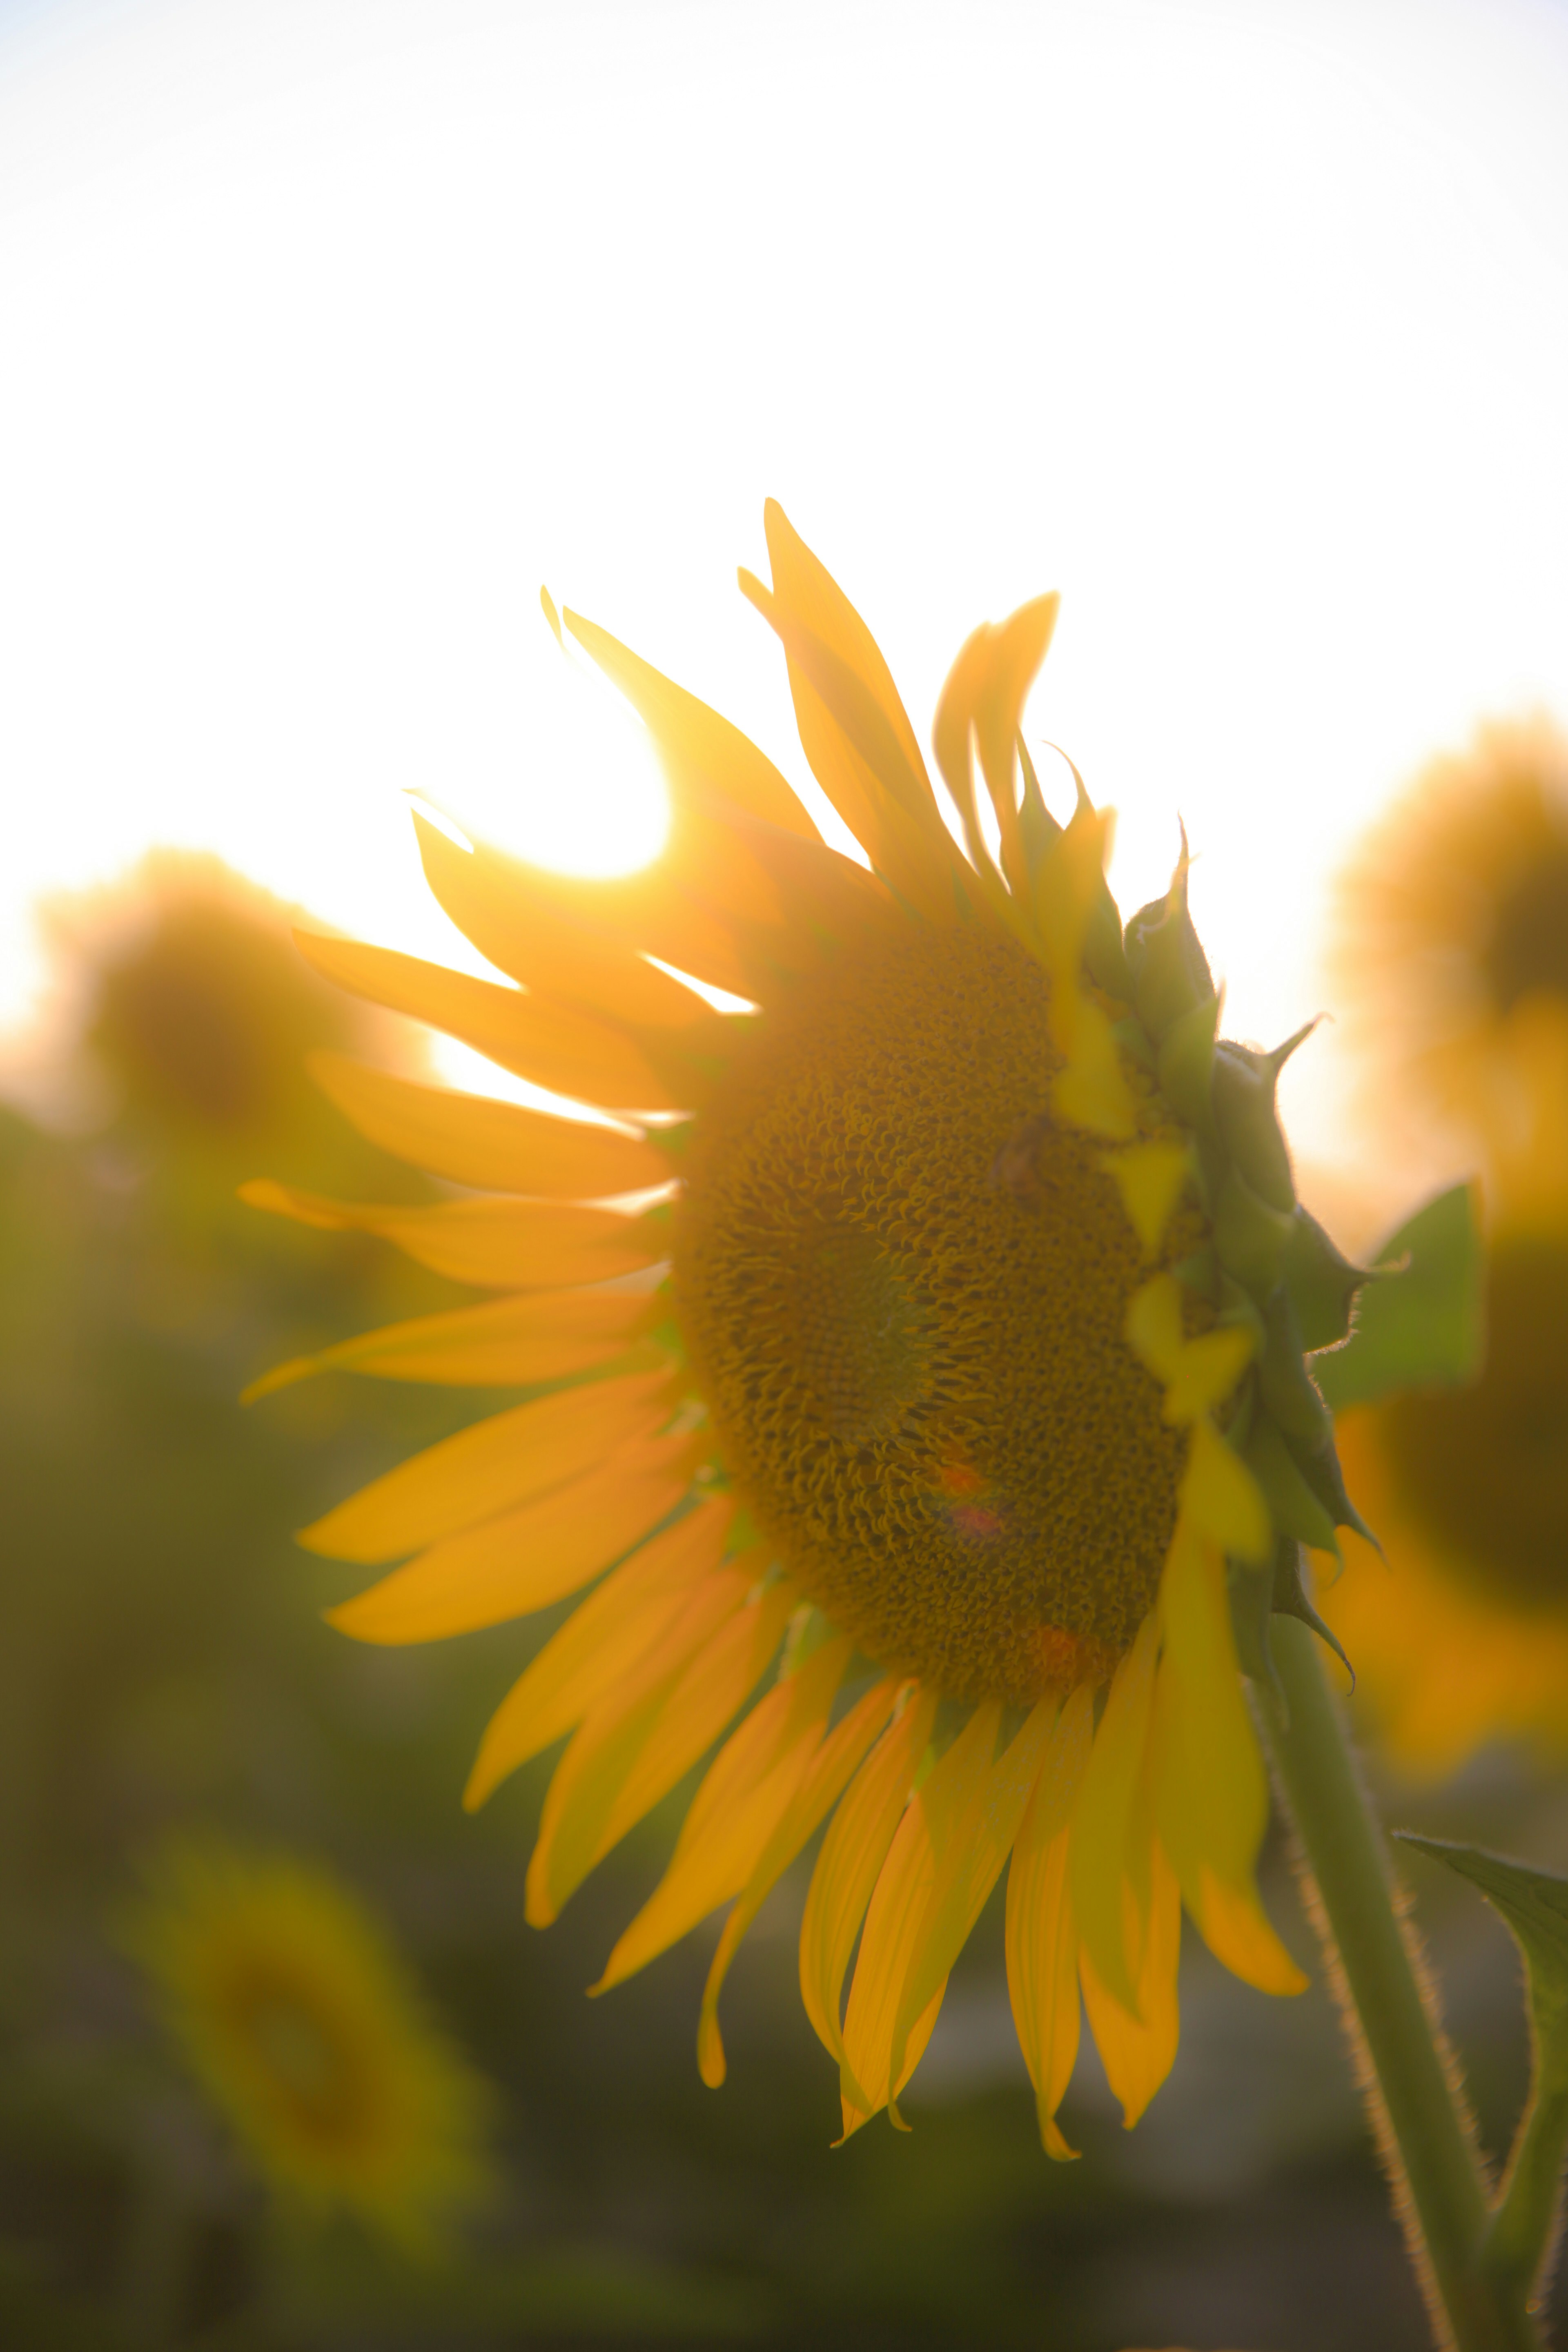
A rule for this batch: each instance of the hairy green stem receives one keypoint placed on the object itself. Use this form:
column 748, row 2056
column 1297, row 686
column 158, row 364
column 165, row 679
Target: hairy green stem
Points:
column 1524, row 2226
column 1410, row 2084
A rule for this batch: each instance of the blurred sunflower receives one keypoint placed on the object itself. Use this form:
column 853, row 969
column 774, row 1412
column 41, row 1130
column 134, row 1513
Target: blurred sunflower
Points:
column 916, row 1420
column 300, row 2021
column 1452, row 949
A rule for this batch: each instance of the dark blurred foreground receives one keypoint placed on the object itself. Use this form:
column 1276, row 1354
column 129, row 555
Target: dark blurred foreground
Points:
column 163, row 1666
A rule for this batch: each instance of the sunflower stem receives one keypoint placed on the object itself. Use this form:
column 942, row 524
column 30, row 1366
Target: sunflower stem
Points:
column 1375, row 1969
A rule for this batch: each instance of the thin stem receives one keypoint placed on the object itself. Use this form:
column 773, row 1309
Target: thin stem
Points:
column 1413, row 2093
column 1524, row 2226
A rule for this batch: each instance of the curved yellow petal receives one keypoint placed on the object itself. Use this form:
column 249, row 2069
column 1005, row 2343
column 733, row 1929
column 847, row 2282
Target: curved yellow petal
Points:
column 1221, row 1499
column 1211, row 1796
column 491, row 1466
column 739, row 1804
column 827, row 1775
column 969, row 1862
column 548, row 1044
column 601, row 1642
column 1042, row 1938
column 526, row 1558
column 1139, row 2048
column 504, row 1244
column 506, row 1343
column 852, row 1855
column 876, row 2063
column 567, row 935
column 495, row 1147
column 1150, row 1178
column 696, row 742
column 617, row 1770
column 983, row 699
column 1106, row 1808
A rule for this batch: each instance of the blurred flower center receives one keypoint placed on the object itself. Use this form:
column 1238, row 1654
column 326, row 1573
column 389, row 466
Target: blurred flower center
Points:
column 1483, row 1471
column 305, row 2057
column 903, row 1288
column 1528, row 946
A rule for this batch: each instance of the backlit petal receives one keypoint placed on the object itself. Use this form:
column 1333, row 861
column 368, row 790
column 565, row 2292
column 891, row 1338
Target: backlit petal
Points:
column 503, row 1243
column 1106, row 1805
column 506, row 1343
column 1042, row 1937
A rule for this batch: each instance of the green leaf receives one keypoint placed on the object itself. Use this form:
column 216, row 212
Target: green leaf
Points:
column 1535, row 1905
column 1419, row 1326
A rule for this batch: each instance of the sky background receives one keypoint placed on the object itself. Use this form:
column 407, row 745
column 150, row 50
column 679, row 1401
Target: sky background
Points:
column 334, row 327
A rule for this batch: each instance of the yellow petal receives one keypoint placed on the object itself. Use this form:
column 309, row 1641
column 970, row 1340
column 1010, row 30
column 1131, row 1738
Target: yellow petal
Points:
column 741, row 1802
column 1107, row 1806
column 629, row 1755
column 1211, row 1797
column 1222, row 1500
column 1150, row 1177
column 852, row 1855
column 696, row 742
column 506, row 1343
column 969, row 1863
column 551, row 1044
column 503, row 1244
column 1139, row 2049
column 612, row 1631
column 526, row 1558
column 1015, row 649
column 546, row 930
column 1208, row 1372
column 1090, row 1089
column 1042, row 1937
column 1154, row 1326
column 826, row 1776
column 877, row 2061
column 487, row 1468
column 495, row 1147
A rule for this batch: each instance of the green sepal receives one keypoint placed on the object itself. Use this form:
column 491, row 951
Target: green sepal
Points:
column 1322, row 1284
column 1134, row 1039
column 1296, row 1510
column 1423, row 1326
column 1186, row 1063
column 1236, row 1304
column 1251, row 1237
column 1248, row 1123
column 1319, row 1466
column 1289, row 1389
column 1251, row 1590
column 1291, row 1600
column 1164, row 956
column 1104, row 956
column 1199, row 1272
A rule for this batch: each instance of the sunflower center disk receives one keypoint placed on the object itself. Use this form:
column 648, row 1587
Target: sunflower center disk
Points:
column 1484, row 1470
column 903, row 1288
column 1528, row 950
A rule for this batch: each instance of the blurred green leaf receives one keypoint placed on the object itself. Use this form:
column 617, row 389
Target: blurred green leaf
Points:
column 1420, row 1324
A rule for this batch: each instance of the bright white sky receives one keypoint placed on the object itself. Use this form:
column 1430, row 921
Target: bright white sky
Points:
column 332, row 327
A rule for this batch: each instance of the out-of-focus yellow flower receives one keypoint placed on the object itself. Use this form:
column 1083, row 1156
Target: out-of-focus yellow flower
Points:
column 913, row 1424
column 1453, row 954
column 303, row 2025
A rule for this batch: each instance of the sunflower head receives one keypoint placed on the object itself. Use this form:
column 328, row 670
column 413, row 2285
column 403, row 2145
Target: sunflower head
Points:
column 923, row 1432
column 302, row 2025
column 1450, row 954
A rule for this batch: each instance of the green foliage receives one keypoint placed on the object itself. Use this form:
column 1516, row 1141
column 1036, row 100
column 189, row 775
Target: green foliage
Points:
column 1419, row 1323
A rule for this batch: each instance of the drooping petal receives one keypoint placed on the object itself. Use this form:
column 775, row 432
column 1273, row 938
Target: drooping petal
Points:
column 600, row 1643
column 1107, row 1806
column 629, row 1753
column 827, row 1775
column 504, row 1244
column 1042, row 1936
column 968, row 1864
column 868, row 2078
column 1211, row 1798
column 506, row 1343
column 742, row 1798
column 852, row 1855
column 1138, row 2046
column 551, row 1044
column 525, row 1558
column 491, row 1466
column 495, row 1147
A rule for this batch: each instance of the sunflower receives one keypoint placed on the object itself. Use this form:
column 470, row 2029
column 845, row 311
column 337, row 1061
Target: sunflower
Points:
column 1449, row 955
column 920, row 1422
column 300, row 2021
column 1453, row 952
